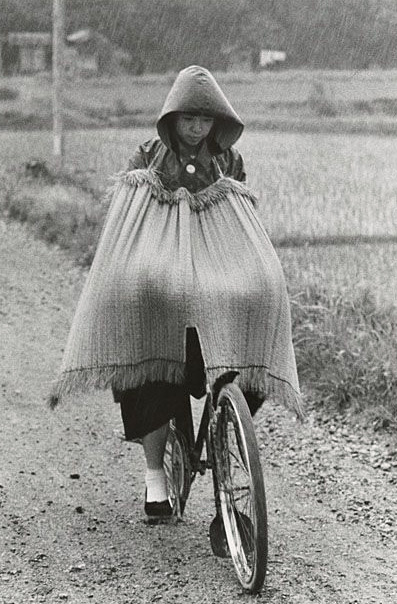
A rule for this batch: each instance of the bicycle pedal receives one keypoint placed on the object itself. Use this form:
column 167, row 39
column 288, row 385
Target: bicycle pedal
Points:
column 218, row 539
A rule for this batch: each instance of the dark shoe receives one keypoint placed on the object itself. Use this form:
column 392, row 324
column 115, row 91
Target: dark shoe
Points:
column 158, row 512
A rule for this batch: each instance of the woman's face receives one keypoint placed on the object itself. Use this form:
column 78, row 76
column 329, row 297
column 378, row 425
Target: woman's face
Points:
column 192, row 129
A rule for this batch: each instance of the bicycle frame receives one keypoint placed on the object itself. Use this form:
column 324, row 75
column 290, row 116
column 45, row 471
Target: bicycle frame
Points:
column 184, row 422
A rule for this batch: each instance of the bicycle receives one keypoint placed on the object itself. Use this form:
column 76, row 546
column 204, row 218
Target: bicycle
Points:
column 226, row 429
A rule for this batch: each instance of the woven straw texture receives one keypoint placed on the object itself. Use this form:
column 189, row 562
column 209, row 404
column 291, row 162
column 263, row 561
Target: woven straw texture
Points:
column 171, row 260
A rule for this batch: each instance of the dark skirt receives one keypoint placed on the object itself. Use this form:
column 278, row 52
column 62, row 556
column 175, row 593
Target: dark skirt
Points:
column 150, row 406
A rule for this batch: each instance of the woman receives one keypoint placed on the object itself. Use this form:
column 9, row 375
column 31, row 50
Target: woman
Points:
column 185, row 283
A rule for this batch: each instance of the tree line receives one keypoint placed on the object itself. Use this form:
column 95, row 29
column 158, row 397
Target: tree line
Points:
column 164, row 35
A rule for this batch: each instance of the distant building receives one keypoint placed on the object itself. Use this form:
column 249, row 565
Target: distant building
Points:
column 235, row 58
column 89, row 53
column 271, row 58
column 251, row 58
column 25, row 52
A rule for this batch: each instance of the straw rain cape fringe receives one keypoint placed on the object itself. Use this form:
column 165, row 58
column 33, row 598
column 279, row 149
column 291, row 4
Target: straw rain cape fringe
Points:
column 197, row 201
column 171, row 260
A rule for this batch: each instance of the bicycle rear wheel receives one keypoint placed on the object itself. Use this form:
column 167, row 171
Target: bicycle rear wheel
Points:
column 178, row 470
column 241, row 487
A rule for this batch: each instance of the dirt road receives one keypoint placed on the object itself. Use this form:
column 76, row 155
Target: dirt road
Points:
column 71, row 489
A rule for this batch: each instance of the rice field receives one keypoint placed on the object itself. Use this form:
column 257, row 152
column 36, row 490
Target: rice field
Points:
column 313, row 188
column 253, row 94
column 349, row 270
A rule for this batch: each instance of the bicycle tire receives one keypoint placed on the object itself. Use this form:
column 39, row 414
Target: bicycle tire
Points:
column 241, row 487
column 178, row 470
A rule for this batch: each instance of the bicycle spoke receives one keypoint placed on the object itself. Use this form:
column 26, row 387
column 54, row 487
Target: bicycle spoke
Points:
column 178, row 470
column 234, row 456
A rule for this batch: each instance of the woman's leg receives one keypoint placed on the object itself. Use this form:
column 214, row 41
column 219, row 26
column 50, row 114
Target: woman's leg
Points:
column 146, row 412
column 155, row 479
column 154, row 447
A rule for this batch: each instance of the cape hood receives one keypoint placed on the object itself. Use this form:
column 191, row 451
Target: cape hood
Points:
column 195, row 90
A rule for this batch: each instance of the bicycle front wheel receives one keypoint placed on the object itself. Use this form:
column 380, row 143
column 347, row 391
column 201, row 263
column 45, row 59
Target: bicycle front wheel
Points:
column 241, row 487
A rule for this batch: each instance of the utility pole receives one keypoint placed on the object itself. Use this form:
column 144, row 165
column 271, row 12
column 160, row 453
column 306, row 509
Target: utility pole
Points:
column 58, row 33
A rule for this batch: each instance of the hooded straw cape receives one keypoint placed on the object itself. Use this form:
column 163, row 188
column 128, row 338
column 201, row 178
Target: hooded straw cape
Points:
column 168, row 260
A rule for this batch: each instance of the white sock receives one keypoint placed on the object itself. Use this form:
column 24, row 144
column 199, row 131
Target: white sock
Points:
column 156, row 485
